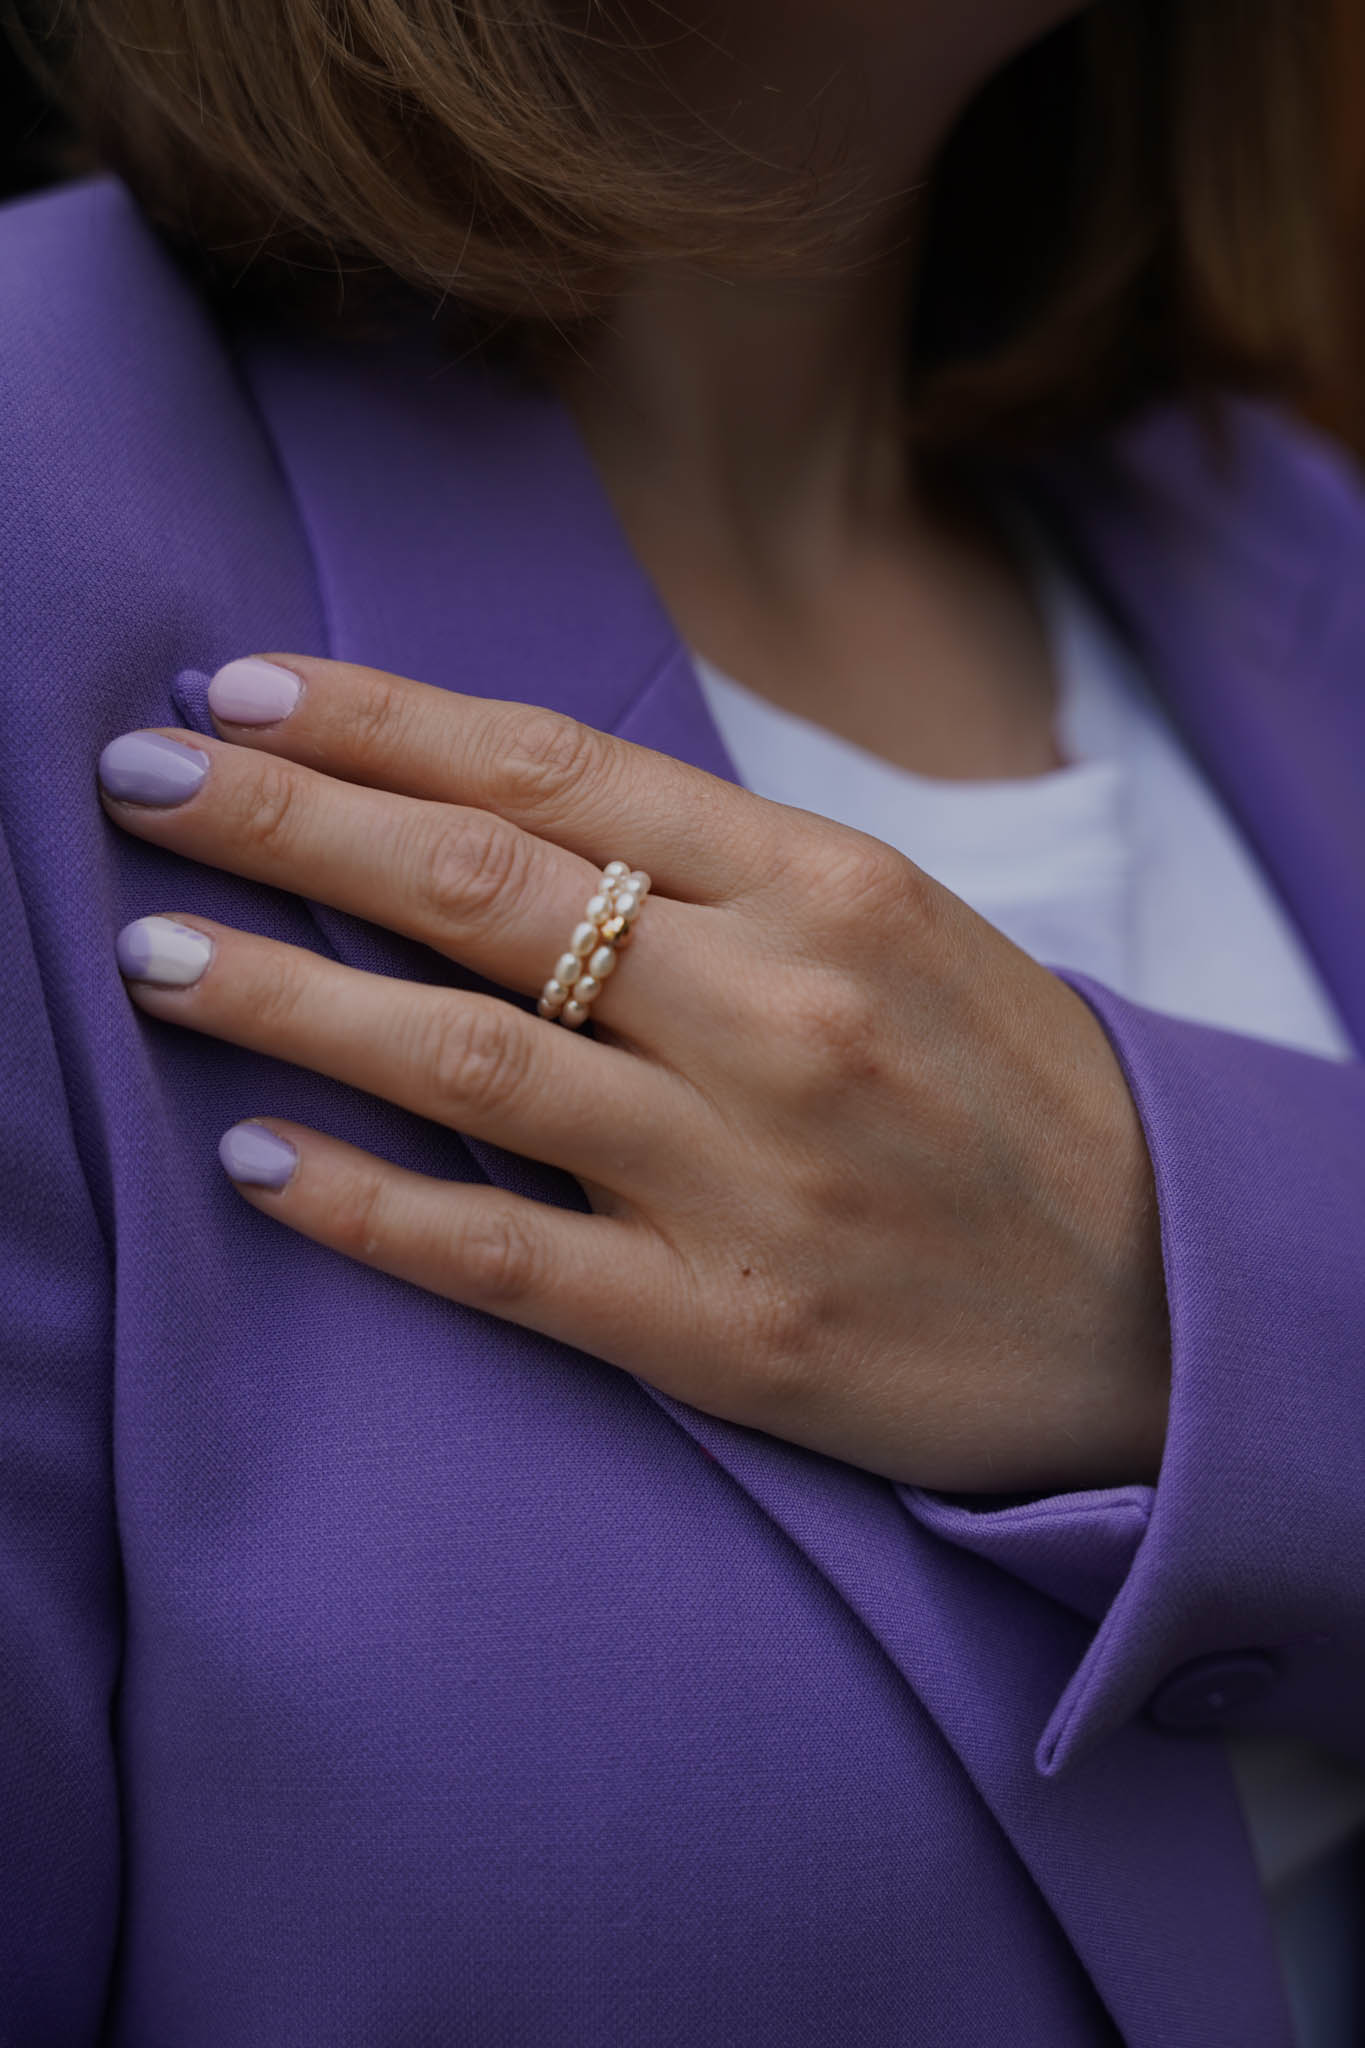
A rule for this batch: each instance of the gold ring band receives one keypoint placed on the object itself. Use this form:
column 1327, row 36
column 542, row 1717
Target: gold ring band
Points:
column 590, row 956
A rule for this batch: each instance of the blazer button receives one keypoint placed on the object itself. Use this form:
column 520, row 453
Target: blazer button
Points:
column 1203, row 1693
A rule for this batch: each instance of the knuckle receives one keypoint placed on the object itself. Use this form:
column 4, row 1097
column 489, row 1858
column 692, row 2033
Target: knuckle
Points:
column 356, row 1218
column 542, row 755
column 856, row 893
column 476, row 1060
column 466, row 864
column 834, row 1032
column 265, row 807
column 376, row 717
column 276, row 998
column 858, row 896
column 863, row 878
column 832, row 1190
column 781, row 1367
column 499, row 1256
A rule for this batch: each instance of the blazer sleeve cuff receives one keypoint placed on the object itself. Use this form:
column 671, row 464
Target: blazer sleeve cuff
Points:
column 1229, row 1597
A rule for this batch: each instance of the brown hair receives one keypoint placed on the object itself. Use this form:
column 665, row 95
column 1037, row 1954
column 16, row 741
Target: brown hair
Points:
column 1137, row 206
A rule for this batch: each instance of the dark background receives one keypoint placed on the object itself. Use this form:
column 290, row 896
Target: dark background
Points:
column 34, row 147
column 36, row 150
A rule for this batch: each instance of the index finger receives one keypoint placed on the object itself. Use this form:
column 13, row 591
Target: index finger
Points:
column 701, row 839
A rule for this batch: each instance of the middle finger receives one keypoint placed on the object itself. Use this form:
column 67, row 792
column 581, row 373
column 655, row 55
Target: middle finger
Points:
column 465, row 882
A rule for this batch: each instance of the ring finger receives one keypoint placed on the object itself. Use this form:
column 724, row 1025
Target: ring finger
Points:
column 471, row 1062
column 469, row 884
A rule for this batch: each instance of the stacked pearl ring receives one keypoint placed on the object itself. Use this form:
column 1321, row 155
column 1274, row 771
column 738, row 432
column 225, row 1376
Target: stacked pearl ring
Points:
column 594, row 944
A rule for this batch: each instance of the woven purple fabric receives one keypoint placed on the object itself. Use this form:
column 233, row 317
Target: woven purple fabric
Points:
column 375, row 1674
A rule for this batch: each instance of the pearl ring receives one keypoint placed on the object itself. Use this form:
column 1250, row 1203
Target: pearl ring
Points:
column 594, row 944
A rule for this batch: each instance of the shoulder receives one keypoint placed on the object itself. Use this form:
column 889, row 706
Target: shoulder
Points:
column 1230, row 524
column 72, row 250
column 113, row 376
column 101, row 331
column 1266, row 480
column 1239, row 479
column 145, row 526
column 141, row 502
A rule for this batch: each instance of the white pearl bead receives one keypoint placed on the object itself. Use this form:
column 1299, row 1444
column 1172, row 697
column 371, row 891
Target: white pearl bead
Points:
column 602, row 962
column 585, row 988
column 584, row 939
column 574, row 1014
column 639, row 878
column 628, row 907
column 549, row 1009
column 567, row 969
column 615, row 870
column 554, row 990
column 596, row 908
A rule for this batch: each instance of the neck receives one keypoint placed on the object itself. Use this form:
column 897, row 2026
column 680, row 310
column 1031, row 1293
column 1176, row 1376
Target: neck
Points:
column 766, row 410
column 771, row 408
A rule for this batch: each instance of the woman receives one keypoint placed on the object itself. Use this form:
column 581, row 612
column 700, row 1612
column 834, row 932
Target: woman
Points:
column 810, row 1509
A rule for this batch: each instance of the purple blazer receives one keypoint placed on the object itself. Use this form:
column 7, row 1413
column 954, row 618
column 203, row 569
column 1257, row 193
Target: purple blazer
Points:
column 374, row 1672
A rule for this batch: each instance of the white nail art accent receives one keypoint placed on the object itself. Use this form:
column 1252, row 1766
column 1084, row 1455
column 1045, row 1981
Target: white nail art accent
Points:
column 160, row 950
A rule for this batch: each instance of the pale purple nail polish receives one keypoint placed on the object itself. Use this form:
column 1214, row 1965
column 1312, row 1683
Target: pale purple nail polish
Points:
column 253, row 692
column 147, row 768
column 254, row 1155
column 159, row 950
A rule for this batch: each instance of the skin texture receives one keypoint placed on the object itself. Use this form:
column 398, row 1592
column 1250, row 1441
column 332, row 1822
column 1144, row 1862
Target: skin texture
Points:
column 750, row 430
column 862, row 1174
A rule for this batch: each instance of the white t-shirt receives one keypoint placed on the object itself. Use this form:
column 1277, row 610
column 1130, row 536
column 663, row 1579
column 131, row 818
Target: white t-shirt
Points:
column 1122, row 864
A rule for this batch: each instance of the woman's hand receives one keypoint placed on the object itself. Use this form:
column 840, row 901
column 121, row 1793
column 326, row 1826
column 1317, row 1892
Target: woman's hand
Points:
column 862, row 1173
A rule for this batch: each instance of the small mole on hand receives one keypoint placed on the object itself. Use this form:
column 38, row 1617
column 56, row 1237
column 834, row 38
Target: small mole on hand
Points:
column 745, row 1271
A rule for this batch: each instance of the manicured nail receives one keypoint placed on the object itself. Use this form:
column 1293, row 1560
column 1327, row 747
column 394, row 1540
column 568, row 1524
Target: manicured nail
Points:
column 160, row 950
column 253, row 692
column 252, row 1154
column 147, row 768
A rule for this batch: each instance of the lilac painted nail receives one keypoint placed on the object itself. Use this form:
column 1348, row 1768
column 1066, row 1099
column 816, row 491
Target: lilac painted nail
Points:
column 147, row 768
column 253, row 692
column 254, row 1155
column 160, row 950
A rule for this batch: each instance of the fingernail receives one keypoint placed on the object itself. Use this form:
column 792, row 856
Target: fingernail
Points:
column 147, row 768
column 253, row 692
column 160, row 950
column 254, row 1155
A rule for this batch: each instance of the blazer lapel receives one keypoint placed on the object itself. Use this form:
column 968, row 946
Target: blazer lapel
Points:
column 1240, row 577
column 460, row 535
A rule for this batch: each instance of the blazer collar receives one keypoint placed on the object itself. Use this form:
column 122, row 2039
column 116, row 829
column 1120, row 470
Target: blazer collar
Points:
column 1237, row 567
column 459, row 530
column 461, row 535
